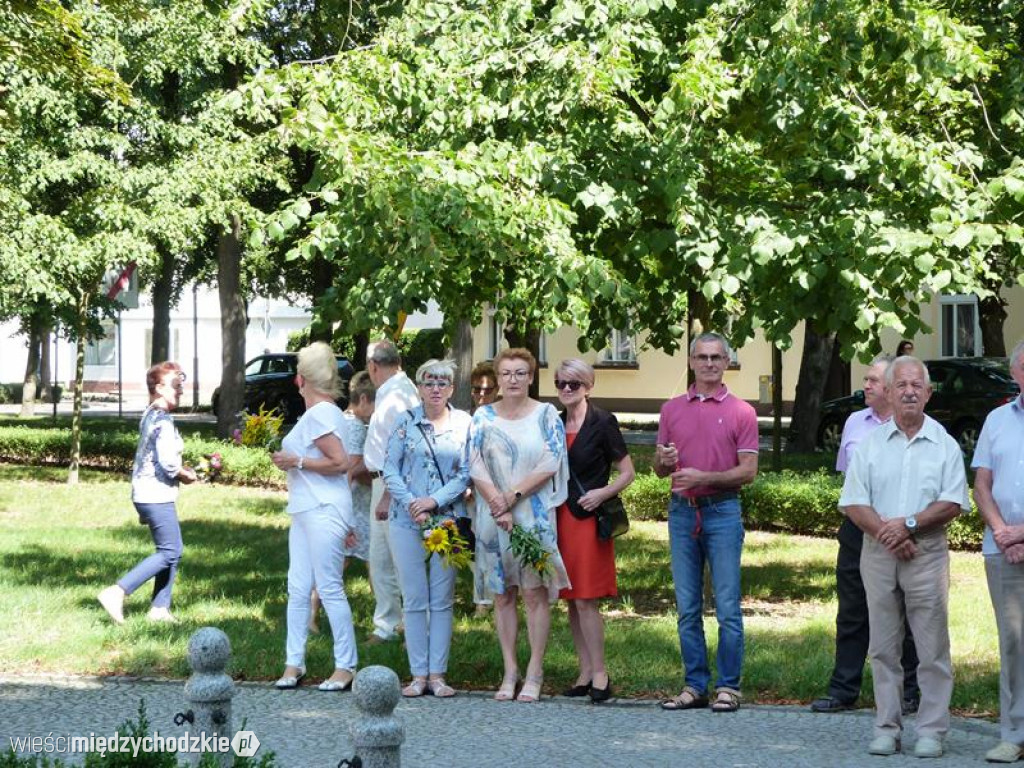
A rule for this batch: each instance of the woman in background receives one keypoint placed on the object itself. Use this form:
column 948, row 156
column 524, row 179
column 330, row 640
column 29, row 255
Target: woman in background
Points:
column 156, row 473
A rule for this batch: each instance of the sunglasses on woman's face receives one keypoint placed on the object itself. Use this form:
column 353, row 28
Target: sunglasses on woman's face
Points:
column 573, row 386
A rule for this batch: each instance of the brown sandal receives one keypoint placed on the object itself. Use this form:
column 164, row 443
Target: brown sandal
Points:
column 726, row 700
column 688, row 698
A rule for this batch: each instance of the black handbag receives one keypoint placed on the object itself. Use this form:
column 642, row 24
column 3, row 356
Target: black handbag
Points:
column 463, row 524
column 612, row 520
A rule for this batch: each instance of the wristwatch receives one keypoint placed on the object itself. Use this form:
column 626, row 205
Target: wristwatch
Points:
column 518, row 494
column 299, row 465
column 911, row 523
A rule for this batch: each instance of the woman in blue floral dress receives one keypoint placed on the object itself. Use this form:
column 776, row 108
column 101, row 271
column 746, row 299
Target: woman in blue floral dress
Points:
column 519, row 470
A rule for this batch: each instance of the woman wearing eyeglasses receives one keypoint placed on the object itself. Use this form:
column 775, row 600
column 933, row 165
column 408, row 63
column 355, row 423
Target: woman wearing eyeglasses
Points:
column 427, row 473
column 595, row 446
column 518, row 466
column 156, row 473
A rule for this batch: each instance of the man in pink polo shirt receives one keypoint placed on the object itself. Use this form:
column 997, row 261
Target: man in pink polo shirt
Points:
column 707, row 443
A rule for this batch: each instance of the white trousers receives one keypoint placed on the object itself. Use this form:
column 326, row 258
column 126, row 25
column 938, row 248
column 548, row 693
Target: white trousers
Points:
column 315, row 557
column 387, row 613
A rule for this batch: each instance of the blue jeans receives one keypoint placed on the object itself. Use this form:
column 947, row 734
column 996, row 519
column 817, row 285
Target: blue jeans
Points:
column 162, row 565
column 719, row 543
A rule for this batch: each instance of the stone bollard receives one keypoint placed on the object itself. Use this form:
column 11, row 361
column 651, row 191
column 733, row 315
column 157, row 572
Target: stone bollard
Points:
column 209, row 690
column 378, row 735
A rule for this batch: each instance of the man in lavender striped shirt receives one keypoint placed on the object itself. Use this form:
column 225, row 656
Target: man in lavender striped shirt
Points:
column 852, row 617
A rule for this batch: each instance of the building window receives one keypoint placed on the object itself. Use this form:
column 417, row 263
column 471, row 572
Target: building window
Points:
column 959, row 327
column 621, row 348
column 103, row 350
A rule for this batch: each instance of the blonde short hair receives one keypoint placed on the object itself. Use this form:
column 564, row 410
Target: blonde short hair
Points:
column 319, row 368
column 579, row 369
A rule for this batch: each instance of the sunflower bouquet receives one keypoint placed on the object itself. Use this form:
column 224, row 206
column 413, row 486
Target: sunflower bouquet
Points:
column 527, row 547
column 441, row 537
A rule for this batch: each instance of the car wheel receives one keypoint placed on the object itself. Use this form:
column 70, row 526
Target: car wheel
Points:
column 830, row 434
column 966, row 435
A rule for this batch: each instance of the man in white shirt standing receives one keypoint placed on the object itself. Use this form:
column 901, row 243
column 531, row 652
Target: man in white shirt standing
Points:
column 395, row 395
column 905, row 483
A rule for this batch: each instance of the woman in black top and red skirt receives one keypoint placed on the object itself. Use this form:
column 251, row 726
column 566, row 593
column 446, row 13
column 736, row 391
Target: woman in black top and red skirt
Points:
column 595, row 446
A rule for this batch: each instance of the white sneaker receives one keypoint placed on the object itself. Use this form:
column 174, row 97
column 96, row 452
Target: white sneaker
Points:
column 884, row 745
column 112, row 600
column 1005, row 752
column 161, row 614
column 928, row 746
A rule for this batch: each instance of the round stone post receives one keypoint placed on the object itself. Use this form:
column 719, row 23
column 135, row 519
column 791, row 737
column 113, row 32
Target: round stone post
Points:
column 378, row 735
column 209, row 690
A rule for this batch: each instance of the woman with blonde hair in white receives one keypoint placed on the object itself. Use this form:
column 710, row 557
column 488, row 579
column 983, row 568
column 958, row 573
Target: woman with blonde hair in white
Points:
column 320, row 505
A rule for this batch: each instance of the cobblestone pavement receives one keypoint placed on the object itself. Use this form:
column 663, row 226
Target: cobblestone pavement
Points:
column 308, row 728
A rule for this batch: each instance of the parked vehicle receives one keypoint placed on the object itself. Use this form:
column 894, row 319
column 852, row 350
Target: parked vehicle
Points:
column 270, row 383
column 964, row 390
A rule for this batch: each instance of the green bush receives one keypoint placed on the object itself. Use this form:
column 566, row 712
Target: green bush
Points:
column 798, row 502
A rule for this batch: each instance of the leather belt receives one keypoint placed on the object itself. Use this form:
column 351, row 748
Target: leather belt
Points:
column 376, row 475
column 704, row 501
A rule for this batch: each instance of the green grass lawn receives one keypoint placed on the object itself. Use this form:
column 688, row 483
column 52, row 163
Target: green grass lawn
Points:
column 59, row 545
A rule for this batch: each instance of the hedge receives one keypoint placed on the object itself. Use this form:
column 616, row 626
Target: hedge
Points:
column 797, row 502
column 115, row 450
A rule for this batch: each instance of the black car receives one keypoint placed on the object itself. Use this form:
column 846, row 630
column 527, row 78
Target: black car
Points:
column 964, row 390
column 270, row 382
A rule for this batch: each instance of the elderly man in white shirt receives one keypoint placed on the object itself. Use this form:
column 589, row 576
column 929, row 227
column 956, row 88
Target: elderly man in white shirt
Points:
column 906, row 482
column 999, row 493
column 396, row 394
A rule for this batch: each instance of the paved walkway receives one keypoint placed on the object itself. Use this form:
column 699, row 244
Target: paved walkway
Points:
column 308, row 728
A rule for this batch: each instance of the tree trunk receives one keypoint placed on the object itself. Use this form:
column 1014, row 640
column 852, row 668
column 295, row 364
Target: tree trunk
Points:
column 232, row 328
column 163, row 288
column 30, row 385
column 360, row 341
column 991, row 316
column 810, row 387
column 776, row 408
column 323, row 278
column 462, row 353
column 81, row 322
column 45, row 374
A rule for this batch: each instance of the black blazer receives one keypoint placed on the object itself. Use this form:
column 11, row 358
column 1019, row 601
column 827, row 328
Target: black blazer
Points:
column 597, row 445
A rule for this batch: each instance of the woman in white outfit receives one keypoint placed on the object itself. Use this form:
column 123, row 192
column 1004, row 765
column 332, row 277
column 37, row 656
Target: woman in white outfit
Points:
column 320, row 505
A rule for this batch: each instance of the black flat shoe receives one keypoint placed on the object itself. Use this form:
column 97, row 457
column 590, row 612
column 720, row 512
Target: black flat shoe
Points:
column 601, row 694
column 577, row 691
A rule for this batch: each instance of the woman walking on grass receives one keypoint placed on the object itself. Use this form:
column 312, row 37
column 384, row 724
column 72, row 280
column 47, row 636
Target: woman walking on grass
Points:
column 156, row 474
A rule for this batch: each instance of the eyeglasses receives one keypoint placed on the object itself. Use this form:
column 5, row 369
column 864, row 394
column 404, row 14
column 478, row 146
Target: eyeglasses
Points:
column 572, row 386
column 514, row 375
column 709, row 358
column 435, row 384
column 482, row 390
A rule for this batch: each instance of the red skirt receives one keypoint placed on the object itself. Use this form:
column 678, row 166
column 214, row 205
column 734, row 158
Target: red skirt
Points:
column 589, row 561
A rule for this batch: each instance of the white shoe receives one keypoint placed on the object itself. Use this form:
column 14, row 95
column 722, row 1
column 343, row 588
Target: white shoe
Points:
column 928, row 746
column 884, row 745
column 112, row 600
column 161, row 614
column 1005, row 752
column 290, row 681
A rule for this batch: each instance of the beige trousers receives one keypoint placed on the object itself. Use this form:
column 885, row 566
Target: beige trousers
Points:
column 387, row 612
column 919, row 590
column 1006, row 587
